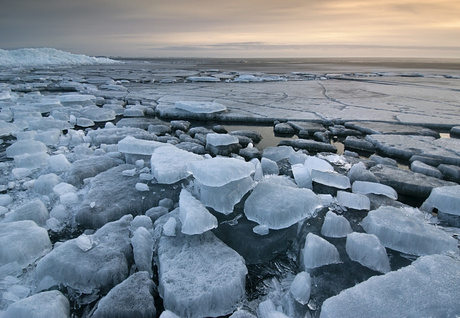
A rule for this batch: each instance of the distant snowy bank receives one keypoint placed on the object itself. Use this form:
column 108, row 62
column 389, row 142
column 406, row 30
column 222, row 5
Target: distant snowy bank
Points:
column 47, row 56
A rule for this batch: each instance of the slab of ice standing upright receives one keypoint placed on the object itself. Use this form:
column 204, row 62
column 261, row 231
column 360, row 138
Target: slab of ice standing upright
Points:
column 445, row 199
column 335, row 225
column 367, row 250
column 278, row 206
column 169, row 164
column 318, row 252
column 200, row 107
column 194, row 216
column 400, row 229
column 430, row 287
column 331, row 179
column 131, row 145
column 220, row 183
column 301, row 288
column 366, row 187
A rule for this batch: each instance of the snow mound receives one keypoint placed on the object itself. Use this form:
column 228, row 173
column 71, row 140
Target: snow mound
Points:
column 47, row 56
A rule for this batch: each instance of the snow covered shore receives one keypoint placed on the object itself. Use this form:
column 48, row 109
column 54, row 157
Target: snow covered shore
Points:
column 115, row 200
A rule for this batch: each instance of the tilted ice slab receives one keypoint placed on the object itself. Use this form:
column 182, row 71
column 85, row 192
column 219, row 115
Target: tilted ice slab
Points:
column 114, row 135
column 400, row 229
column 22, row 242
column 131, row 145
column 318, row 252
column 97, row 269
column 429, row 287
column 169, row 164
column 221, row 139
column 200, row 107
column 353, row 200
column 335, row 225
column 217, row 172
column 278, row 206
column 331, row 179
column 22, row 147
column 367, row 250
column 194, row 216
column 445, row 199
column 200, row 276
column 50, row 304
column 366, row 187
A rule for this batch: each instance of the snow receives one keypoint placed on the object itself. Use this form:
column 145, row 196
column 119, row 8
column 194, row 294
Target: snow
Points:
column 47, row 56
column 194, row 216
column 318, row 252
column 404, row 230
column 52, row 304
column 169, row 164
column 278, row 206
column 414, row 285
column 367, row 250
column 335, row 225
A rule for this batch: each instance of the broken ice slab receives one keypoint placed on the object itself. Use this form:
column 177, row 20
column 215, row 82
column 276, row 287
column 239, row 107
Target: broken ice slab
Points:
column 367, row 250
column 330, row 179
column 200, row 107
column 194, row 216
column 366, row 187
column 415, row 285
column 131, row 145
column 22, row 147
column 302, row 176
column 115, row 134
column 200, row 276
column 359, row 172
column 142, row 243
column 309, row 145
column 315, row 163
column 221, row 139
column 7, row 129
column 354, row 201
column 404, row 230
column 169, row 164
column 301, row 288
column 76, row 99
column 423, row 168
column 318, row 252
column 216, row 172
column 408, row 182
column 52, row 304
column 131, row 298
column 335, row 225
column 22, row 242
column 279, row 206
column 277, row 153
column 447, row 201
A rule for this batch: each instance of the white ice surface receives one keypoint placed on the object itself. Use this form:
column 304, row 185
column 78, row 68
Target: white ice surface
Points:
column 367, row 250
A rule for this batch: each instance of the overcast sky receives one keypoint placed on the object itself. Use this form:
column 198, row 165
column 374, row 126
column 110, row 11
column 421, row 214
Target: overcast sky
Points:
column 235, row 28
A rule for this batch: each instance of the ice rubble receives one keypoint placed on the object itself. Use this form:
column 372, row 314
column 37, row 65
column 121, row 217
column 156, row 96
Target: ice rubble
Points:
column 47, row 56
column 52, row 304
column 367, row 250
column 199, row 276
column 404, row 230
column 279, row 206
column 169, row 164
column 428, row 287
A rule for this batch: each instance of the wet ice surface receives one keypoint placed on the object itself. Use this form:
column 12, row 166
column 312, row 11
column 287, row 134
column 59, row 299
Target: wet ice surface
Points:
column 94, row 160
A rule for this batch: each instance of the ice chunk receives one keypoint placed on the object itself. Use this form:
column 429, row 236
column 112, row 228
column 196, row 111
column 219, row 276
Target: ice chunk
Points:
column 50, row 304
column 169, row 164
column 22, row 147
column 34, row 210
column 7, row 129
column 216, row 172
column 31, row 161
column 63, row 188
column 400, row 229
column 141, row 221
column 261, row 230
column 278, row 153
column 353, row 200
column 318, row 252
column 367, row 250
column 279, row 206
column 221, row 139
column 58, row 163
column 201, row 107
column 131, row 298
column 335, row 225
column 142, row 242
column 421, row 167
column 200, row 276
column 87, row 168
column 169, row 228
column 168, row 314
column 445, row 199
column 194, row 216
column 22, row 242
column 131, row 145
column 85, row 242
column 315, row 163
column 19, row 173
column 96, row 270
column 331, row 179
column 359, row 172
column 5, row 199
column 415, row 285
column 267, row 309
column 302, row 176
column 269, row 166
column 240, row 313
column 97, row 114
column 366, row 187
column 142, row 187
column 76, row 99
column 301, row 288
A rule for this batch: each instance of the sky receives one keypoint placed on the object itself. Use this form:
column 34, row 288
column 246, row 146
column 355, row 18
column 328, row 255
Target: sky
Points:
column 235, row 28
